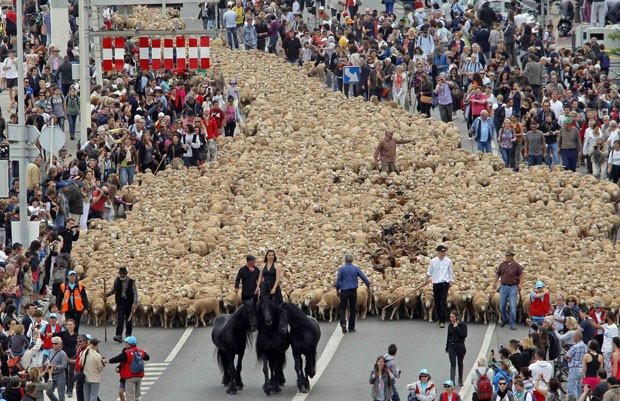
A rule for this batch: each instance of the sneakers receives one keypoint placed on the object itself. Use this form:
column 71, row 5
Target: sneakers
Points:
column 441, row 325
column 118, row 339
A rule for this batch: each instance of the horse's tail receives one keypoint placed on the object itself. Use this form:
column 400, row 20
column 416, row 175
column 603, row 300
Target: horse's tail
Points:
column 221, row 357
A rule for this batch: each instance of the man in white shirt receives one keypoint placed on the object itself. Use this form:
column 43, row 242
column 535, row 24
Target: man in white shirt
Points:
column 541, row 367
column 441, row 274
column 10, row 69
column 610, row 330
column 612, row 133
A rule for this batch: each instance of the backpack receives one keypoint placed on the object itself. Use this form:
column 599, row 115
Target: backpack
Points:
column 605, row 62
column 137, row 363
column 484, row 388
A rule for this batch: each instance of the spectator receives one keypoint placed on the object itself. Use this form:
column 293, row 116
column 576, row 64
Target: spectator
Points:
column 125, row 358
column 423, row 389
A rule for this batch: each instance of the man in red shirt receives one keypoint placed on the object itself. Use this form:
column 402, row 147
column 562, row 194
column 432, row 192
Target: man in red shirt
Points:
column 540, row 303
column 219, row 116
column 11, row 21
column 213, row 132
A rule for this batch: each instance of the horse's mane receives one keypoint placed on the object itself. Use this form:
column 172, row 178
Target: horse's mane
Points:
column 239, row 315
column 298, row 319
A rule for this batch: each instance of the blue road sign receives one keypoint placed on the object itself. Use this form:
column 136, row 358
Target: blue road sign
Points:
column 351, row 74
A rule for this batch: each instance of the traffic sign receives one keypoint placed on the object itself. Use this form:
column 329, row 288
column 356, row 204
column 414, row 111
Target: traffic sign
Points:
column 15, row 133
column 52, row 138
column 351, row 74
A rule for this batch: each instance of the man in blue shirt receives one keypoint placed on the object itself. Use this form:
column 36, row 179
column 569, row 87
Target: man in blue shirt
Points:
column 484, row 131
column 346, row 286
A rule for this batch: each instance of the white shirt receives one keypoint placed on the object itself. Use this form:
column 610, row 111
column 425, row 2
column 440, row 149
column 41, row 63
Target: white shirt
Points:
column 611, row 331
column 613, row 136
column 545, row 368
column 557, row 107
column 440, row 270
column 558, row 313
column 11, row 72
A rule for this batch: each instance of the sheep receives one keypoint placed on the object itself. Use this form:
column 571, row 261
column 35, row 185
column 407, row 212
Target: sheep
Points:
column 363, row 301
column 428, row 303
column 480, row 303
column 311, row 300
column 201, row 308
column 329, row 303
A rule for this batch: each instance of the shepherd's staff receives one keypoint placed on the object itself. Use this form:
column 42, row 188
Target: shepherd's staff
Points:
column 406, row 295
column 105, row 314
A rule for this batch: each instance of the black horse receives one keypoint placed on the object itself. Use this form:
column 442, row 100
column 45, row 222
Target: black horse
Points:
column 272, row 342
column 305, row 334
column 231, row 334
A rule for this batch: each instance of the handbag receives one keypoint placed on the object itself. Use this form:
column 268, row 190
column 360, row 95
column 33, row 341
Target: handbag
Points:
column 435, row 101
column 426, row 99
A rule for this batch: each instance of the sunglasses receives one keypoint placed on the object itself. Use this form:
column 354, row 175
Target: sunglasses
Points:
column 56, row 343
column 423, row 375
column 446, row 386
column 502, row 384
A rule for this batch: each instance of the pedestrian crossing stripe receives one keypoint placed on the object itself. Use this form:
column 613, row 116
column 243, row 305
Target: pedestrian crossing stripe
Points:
column 152, row 371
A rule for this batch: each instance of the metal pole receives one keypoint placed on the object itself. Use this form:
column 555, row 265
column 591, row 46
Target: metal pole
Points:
column 21, row 121
column 84, row 75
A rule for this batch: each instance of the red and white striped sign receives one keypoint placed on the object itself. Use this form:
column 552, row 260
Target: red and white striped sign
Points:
column 195, row 55
column 181, row 58
column 168, row 54
column 156, row 53
column 119, row 54
column 107, row 54
column 144, row 53
column 204, row 52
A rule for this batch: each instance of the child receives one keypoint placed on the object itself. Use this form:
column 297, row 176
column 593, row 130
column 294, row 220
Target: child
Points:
column 19, row 342
column 392, row 365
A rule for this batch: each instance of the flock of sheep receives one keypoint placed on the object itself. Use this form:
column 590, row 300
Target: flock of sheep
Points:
column 300, row 179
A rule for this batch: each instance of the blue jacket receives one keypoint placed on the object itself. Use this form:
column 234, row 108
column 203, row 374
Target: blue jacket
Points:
column 475, row 127
column 347, row 277
column 501, row 374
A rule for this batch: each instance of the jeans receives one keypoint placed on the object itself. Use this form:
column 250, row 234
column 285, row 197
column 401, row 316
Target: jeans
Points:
column 484, row 147
column 508, row 293
column 574, row 382
column 229, row 129
column 506, row 155
column 91, row 391
column 348, row 297
column 273, row 42
column 64, row 88
column 212, row 148
column 569, row 158
column 61, row 122
column 538, row 320
column 72, row 121
column 58, row 382
column 552, row 153
column 389, row 7
column 534, row 160
column 233, row 39
column 127, row 174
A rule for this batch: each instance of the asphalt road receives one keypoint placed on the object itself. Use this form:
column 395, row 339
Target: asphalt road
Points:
column 193, row 372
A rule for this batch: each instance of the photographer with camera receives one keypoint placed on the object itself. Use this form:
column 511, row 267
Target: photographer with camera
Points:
column 382, row 381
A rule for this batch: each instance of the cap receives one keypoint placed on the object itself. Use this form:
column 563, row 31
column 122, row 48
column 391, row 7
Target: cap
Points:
column 122, row 270
column 441, row 248
column 131, row 340
column 88, row 336
column 509, row 252
column 424, row 372
column 539, row 284
column 71, row 272
column 53, row 316
column 94, row 341
column 567, row 120
column 448, row 383
column 250, row 257
column 321, row 8
column 161, row 115
column 12, row 51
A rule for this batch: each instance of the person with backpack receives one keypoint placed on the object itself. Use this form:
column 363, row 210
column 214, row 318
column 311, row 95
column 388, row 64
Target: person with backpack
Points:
column 423, row 389
column 73, row 301
column 131, row 367
column 483, row 388
column 455, row 345
column 520, row 393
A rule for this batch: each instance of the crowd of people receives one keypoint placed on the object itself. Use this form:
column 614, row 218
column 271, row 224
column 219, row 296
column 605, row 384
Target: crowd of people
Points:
column 517, row 89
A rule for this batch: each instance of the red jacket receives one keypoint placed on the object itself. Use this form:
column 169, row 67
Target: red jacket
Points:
column 126, row 372
column 219, row 116
column 212, row 128
column 541, row 306
column 47, row 341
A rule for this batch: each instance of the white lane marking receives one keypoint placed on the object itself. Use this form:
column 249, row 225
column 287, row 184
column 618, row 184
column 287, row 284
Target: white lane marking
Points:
column 149, row 364
column 177, row 348
column 154, row 368
column 468, row 389
column 326, row 357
